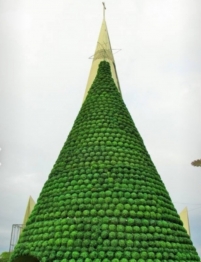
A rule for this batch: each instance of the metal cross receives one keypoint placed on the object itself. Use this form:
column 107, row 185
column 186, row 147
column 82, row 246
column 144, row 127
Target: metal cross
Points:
column 104, row 8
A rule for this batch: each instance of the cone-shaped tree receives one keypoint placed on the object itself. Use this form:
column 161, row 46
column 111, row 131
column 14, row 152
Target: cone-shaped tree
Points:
column 104, row 200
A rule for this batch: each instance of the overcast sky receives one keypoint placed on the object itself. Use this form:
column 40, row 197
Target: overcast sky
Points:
column 44, row 67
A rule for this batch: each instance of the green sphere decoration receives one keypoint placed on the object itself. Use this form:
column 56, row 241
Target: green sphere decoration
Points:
column 104, row 200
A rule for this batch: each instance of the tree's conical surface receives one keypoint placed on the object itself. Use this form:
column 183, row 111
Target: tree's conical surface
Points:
column 104, row 200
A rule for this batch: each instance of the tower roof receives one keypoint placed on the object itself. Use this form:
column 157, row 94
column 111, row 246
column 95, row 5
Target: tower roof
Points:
column 103, row 52
column 29, row 209
column 185, row 219
column 30, row 206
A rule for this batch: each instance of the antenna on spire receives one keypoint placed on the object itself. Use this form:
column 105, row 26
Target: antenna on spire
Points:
column 104, row 8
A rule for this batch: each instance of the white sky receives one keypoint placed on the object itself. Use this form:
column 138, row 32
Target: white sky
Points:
column 44, row 67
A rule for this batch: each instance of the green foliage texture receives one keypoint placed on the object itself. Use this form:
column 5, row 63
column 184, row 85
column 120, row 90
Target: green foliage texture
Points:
column 4, row 257
column 104, row 199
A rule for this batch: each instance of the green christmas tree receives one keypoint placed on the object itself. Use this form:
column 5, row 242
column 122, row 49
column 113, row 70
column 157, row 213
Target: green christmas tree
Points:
column 104, row 200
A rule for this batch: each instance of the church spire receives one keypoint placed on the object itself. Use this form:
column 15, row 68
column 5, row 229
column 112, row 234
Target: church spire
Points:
column 103, row 52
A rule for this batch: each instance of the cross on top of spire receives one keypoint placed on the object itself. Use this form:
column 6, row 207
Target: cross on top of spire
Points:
column 104, row 8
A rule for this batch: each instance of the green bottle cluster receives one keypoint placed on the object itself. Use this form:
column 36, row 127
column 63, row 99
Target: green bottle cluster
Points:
column 104, row 200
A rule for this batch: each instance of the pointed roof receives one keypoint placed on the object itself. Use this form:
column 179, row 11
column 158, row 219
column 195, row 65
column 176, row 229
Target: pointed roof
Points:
column 185, row 219
column 103, row 52
column 30, row 206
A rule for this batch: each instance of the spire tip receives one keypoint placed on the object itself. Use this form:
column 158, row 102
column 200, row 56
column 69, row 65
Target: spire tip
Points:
column 104, row 8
